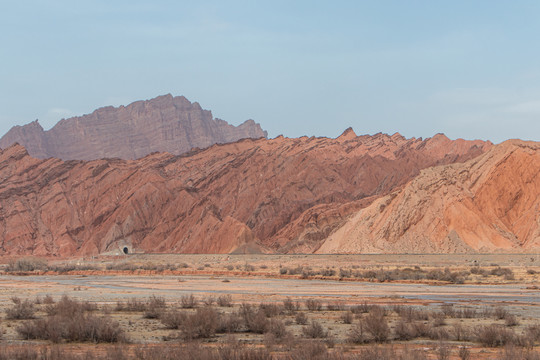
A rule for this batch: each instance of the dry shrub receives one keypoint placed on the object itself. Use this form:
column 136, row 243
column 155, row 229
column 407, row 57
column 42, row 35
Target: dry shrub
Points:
column 347, row 317
column 464, row 353
column 313, row 304
column 155, row 307
column 77, row 328
column 443, row 352
column 511, row 320
column 500, row 313
column 438, row 319
column 20, row 310
column 270, row 310
column 132, row 305
column 335, row 306
column 277, row 328
column 173, row 319
column 404, row 331
column 200, row 325
column 68, row 307
column 209, row 300
column 439, row 333
column 188, row 301
column 376, row 324
column 26, row 264
column 461, row 333
column 229, row 323
column 356, row 334
column 315, row 330
column 301, row 318
column 361, row 309
column 255, row 321
column 290, row 306
column 513, row 353
column 494, row 335
column 310, row 350
column 224, row 300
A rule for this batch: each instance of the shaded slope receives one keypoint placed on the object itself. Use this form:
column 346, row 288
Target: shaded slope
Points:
column 165, row 123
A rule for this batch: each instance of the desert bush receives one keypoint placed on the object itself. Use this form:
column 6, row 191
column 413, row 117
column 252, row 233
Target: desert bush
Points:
column 315, row 330
column 277, row 328
column 78, row 328
column 301, row 318
column 499, row 271
column 533, row 331
column 438, row 333
column 155, row 306
column 500, row 313
column 438, row 319
column 270, row 309
column 255, row 321
column 173, row 319
column 404, row 331
column 132, row 305
column 464, row 353
column 421, row 329
column 188, row 301
column 290, row 306
column 209, row 300
column 48, row 300
column 443, row 352
column 448, row 310
column 202, row 324
column 26, row 264
column 357, row 334
column 20, row 310
column 229, row 323
column 468, row 313
column 224, row 300
column 347, row 317
column 69, row 307
column 335, row 306
column 313, row 305
column 376, row 324
column 249, row 267
column 361, row 309
column 460, row 333
column 513, row 353
column 494, row 335
column 345, row 273
column 511, row 320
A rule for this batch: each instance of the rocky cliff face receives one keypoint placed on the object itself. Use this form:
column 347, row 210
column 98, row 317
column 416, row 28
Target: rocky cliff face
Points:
column 489, row 203
column 283, row 195
column 165, row 124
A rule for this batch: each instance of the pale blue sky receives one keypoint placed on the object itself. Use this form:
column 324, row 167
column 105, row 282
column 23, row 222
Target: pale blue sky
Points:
column 470, row 69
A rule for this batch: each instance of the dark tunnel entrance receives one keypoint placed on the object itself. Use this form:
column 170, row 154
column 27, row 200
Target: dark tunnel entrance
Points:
column 125, row 250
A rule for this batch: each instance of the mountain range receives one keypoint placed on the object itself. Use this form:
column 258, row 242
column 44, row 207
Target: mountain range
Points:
column 223, row 189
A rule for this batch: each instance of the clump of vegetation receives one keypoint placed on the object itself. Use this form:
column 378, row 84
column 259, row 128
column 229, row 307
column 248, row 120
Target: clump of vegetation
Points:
column 20, row 310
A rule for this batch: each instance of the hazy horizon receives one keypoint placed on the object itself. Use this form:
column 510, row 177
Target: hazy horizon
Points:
column 468, row 70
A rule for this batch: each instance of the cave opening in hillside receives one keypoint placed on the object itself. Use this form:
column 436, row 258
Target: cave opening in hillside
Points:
column 126, row 250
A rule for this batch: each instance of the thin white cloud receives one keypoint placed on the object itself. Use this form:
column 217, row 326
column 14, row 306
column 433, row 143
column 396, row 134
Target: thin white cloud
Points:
column 528, row 107
column 58, row 112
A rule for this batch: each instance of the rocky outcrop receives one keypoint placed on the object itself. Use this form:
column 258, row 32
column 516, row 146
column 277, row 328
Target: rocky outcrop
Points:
column 281, row 195
column 490, row 203
column 164, row 124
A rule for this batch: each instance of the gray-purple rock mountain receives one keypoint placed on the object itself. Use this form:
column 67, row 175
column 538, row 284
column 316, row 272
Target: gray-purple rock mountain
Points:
column 165, row 123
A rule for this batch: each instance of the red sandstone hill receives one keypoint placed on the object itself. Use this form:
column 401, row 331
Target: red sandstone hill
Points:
column 486, row 204
column 166, row 124
column 282, row 194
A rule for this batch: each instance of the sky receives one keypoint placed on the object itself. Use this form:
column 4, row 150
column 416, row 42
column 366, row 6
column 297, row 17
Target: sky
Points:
column 469, row 69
